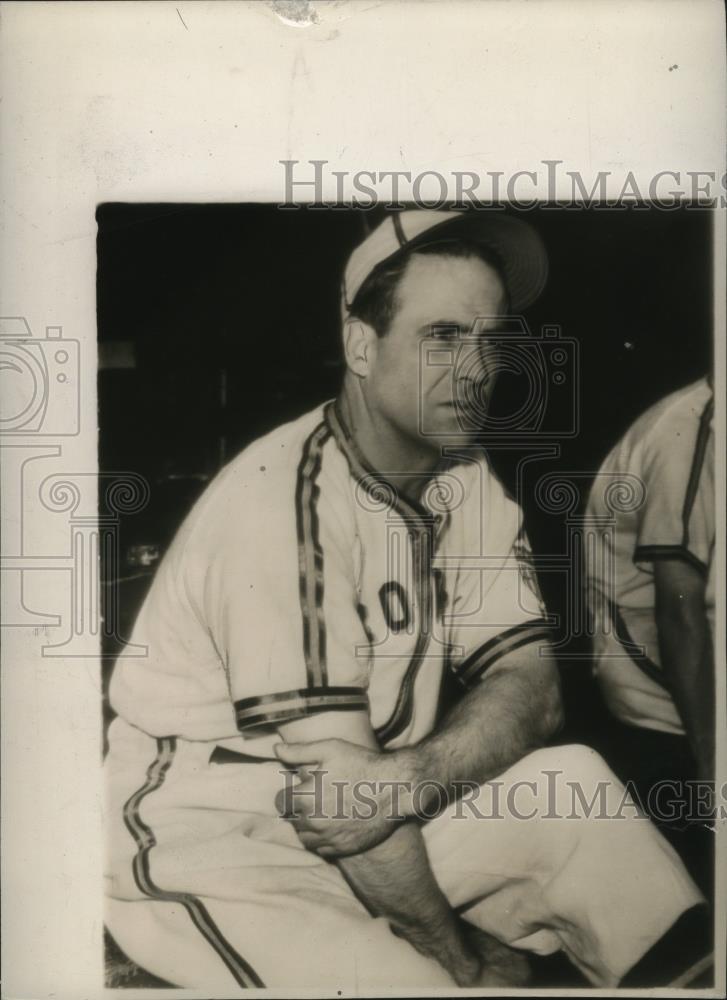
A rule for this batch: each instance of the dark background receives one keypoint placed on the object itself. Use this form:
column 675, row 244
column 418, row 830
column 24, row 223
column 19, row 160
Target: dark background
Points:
column 231, row 315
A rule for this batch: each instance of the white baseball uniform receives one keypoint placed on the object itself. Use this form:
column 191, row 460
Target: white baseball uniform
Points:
column 301, row 583
column 670, row 449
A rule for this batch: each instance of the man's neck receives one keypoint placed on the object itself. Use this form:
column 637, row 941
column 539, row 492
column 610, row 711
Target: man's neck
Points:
column 407, row 464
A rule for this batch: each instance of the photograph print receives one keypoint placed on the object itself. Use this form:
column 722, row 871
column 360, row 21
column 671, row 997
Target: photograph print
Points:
column 408, row 630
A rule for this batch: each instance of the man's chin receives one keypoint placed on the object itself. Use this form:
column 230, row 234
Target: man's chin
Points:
column 450, row 434
column 448, row 422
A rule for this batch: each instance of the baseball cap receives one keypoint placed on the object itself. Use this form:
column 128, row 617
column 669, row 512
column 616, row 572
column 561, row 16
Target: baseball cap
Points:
column 516, row 244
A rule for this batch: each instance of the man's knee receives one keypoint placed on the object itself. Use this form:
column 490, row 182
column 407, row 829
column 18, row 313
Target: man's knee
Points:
column 574, row 761
column 581, row 785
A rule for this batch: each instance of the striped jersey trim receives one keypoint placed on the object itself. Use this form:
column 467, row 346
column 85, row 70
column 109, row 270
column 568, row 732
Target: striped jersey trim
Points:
column 242, row 973
column 286, row 706
column 681, row 550
column 409, row 510
column 650, row 553
column 422, row 544
column 310, row 558
column 420, row 523
column 695, row 473
column 477, row 663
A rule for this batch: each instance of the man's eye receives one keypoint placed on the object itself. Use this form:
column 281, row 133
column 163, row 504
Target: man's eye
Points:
column 446, row 332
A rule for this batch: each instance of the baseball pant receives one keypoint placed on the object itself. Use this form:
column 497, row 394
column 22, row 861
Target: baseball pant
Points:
column 208, row 888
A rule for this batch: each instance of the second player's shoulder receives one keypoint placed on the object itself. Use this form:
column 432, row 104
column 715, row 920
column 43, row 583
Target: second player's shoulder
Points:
column 665, row 429
column 674, row 416
column 668, row 438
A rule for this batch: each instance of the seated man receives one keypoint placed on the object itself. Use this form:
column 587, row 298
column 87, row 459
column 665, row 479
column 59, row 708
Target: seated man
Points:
column 304, row 617
column 651, row 594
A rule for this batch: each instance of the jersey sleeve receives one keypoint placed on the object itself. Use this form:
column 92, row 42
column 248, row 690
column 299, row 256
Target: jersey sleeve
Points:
column 677, row 519
column 496, row 607
column 284, row 607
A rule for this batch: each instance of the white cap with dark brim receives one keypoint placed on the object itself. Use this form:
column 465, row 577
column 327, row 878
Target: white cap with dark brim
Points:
column 515, row 243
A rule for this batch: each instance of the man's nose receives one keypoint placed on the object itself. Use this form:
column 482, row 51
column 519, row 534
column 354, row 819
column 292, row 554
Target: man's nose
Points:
column 474, row 372
column 473, row 392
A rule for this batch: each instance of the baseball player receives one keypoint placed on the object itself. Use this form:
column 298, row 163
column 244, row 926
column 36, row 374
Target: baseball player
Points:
column 651, row 593
column 303, row 621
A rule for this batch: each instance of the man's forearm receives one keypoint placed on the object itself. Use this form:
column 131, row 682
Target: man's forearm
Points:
column 394, row 881
column 685, row 646
column 492, row 727
column 513, row 711
column 496, row 724
column 686, row 654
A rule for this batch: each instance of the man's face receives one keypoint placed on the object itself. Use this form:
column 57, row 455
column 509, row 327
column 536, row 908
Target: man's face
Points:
column 439, row 298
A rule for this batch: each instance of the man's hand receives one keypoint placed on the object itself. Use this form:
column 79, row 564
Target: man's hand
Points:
column 350, row 798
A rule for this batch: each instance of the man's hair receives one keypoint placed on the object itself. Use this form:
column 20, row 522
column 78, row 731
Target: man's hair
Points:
column 376, row 301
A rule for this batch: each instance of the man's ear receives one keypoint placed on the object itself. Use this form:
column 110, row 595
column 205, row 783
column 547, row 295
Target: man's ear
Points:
column 359, row 346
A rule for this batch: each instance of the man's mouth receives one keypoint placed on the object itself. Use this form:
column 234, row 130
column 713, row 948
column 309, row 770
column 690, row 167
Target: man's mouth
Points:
column 468, row 406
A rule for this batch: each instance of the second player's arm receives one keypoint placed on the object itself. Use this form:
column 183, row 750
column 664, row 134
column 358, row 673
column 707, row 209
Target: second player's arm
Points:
column 685, row 649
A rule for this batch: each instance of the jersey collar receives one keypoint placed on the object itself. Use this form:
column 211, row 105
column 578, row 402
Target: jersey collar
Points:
column 377, row 486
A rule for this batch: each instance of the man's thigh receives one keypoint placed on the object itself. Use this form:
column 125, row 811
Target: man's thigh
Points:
column 205, row 896
column 298, row 938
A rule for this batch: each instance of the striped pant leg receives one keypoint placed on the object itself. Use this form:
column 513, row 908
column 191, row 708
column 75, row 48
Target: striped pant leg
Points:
column 187, row 901
column 286, row 943
column 162, row 938
column 541, row 868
